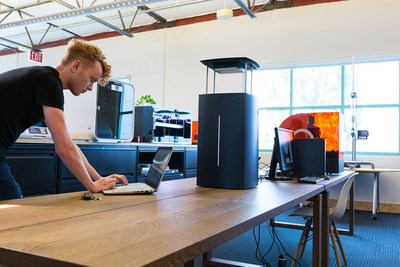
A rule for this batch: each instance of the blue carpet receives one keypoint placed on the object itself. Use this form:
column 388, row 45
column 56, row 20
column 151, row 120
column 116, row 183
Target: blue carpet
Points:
column 375, row 243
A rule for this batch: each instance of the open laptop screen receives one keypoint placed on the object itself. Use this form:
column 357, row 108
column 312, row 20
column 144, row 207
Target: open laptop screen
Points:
column 157, row 168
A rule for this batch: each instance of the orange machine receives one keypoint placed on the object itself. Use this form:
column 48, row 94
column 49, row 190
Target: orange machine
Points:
column 194, row 132
column 321, row 125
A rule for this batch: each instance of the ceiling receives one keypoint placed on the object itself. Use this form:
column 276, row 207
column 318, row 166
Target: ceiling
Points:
column 127, row 20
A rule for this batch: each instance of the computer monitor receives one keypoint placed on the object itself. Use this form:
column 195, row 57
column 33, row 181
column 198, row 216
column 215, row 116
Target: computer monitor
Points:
column 282, row 152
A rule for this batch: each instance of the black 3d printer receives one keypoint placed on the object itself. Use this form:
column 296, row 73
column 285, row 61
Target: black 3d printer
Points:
column 227, row 155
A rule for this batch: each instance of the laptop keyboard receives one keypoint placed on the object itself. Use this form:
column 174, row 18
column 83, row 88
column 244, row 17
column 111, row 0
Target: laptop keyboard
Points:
column 133, row 187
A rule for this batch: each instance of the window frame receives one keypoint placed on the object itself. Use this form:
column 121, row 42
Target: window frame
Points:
column 342, row 107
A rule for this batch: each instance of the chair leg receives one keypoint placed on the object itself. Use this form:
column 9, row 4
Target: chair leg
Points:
column 334, row 246
column 305, row 238
column 339, row 242
column 303, row 234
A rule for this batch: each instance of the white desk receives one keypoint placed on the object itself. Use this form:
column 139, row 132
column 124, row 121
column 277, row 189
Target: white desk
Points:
column 375, row 190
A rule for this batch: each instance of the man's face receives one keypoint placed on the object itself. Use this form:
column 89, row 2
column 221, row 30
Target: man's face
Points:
column 83, row 78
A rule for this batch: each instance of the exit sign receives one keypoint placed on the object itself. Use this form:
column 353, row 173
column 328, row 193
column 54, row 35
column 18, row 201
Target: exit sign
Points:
column 35, row 56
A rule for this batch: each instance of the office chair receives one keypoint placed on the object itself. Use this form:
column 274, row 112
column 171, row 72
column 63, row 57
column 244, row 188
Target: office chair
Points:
column 335, row 213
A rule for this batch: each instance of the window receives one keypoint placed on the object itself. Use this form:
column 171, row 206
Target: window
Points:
column 316, row 86
column 283, row 92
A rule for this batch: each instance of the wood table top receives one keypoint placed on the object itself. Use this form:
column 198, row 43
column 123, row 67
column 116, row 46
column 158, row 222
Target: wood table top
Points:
column 68, row 205
column 372, row 170
column 334, row 180
column 170, row 227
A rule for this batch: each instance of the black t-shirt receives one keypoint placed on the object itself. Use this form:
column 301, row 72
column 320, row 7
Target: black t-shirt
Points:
column 23, row 91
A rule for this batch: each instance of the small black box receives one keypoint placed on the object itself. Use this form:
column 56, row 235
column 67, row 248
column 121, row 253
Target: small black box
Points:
column 309, row 156
column 334, row 164
column 144, row 128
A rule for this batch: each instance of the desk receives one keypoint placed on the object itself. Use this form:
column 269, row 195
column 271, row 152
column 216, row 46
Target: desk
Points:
column 171, row 227
column 375, row 190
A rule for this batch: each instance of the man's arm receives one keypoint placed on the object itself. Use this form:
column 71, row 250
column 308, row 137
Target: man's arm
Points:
column 93, row 173
column 70, row 154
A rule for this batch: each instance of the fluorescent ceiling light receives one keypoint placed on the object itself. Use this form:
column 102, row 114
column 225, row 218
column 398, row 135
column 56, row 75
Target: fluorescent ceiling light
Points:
column 80, row 12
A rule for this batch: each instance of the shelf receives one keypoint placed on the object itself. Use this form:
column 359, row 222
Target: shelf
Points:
column 168, row 125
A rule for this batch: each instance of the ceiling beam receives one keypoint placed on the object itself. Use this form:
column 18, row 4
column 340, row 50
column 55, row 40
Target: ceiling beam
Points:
column 11, row 9
column 121, row 4
column 97, row 20
column 19, row 44
column 122, row 20
column 26, row 30
column 5, row 17
column 272, row 5
column 245, row 9
column 109, row 26
column 9, row 47
column 21, row 12
column 48, row 28
column 63, row 29
column 152, row 14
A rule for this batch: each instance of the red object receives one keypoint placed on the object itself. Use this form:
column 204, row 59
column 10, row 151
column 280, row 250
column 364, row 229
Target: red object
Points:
column 321, row 125
column 195, row 132
column 35, row 56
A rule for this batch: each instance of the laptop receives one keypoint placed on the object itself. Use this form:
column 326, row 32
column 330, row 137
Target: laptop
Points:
column 153, row 178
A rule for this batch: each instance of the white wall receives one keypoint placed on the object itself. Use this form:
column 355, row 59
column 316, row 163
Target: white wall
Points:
column 166, row 63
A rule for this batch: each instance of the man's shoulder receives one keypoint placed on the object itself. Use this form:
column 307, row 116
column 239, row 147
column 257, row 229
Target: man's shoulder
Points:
column 42, row 70
column 33, row 71
column 44, row 75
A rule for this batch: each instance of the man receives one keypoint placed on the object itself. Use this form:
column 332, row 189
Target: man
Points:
column 29, row 95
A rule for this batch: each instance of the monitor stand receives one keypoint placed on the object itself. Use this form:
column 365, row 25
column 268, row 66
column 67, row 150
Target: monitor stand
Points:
column 279, row 178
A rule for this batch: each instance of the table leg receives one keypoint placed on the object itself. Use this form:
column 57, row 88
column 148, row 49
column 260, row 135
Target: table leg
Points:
column 375, row 195
column 351, row 214
column 317, row 227
column 189, row 263
column 325, row 229
column 351, row 211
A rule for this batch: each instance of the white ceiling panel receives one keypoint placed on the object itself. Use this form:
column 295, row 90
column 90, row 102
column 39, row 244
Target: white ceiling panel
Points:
column 35, row 33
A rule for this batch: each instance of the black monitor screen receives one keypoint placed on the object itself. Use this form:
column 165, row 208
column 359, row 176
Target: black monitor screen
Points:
column 282, row 152
column 158, row 166
column 285, row 144
column 114, row 116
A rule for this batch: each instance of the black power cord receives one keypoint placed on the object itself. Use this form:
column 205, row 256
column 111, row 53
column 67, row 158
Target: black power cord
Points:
column 275, row 240
column 257, row 238
column 287, row 254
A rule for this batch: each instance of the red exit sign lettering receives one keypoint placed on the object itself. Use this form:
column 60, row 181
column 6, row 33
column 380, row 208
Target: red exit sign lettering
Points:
column 35, row 56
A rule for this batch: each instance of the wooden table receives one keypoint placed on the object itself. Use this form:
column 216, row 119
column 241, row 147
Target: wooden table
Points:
column 375, row 190
column 171, row 227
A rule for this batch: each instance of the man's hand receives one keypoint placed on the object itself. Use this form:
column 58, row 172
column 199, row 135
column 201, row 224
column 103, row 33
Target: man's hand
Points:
column 104, row 184
column 120, row 178
column 109, row 182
